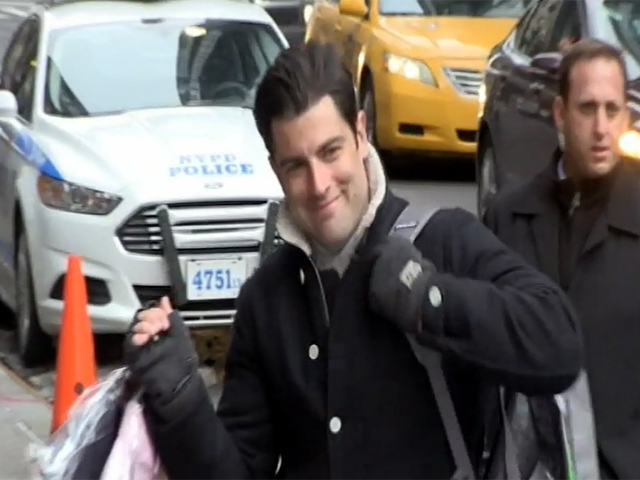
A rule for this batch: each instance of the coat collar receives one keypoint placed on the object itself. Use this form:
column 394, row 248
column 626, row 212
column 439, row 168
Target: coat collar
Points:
column 623, row 206
column 380, row 203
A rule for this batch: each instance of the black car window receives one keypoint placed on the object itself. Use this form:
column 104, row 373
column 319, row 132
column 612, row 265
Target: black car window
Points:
column 621, row 22
column 532, row 39
column 566, row 29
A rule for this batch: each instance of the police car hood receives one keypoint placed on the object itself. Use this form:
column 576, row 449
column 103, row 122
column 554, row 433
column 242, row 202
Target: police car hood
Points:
column 166, row 154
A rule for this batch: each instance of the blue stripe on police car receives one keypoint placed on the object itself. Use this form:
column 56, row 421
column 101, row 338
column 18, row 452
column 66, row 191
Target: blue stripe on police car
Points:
column 33, row 154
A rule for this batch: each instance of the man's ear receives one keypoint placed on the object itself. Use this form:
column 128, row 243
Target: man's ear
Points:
column 558, row 113
column 361, row 132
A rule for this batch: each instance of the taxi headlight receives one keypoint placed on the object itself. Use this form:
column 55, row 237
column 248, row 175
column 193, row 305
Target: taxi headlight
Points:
column 74, row 198
column 482, row 98
column 409, row 68
column 629, row 144
column 306, row 12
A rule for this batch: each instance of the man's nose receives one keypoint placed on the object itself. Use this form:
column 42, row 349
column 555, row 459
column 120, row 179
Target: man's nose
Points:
column 320, row 178
column 601, row 123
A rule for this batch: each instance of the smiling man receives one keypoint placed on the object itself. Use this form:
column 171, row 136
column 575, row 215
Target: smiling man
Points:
column 320, row 376
column 578, row 221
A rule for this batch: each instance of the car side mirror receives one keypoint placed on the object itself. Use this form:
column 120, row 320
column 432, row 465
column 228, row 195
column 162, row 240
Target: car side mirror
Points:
column 354, row 8
column 548, row 62
column 8, row 104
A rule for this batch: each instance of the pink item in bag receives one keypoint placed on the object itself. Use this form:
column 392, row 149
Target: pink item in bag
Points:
column 132, row 456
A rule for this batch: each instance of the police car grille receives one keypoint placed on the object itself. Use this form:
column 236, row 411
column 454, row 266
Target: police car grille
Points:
column 204, row 227
column 465, row 80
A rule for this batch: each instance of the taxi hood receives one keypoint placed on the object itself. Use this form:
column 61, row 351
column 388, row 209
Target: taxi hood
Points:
column 448, row 37
column 166, row 154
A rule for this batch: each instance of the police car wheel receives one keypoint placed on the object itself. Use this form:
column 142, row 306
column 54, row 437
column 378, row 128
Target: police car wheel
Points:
column 35, row 347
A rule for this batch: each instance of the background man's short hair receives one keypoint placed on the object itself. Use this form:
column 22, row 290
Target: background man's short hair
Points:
column 299, row 78
column 586, row 50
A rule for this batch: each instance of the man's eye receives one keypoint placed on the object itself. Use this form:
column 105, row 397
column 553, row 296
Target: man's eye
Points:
column 333, row 152
column 293, row 166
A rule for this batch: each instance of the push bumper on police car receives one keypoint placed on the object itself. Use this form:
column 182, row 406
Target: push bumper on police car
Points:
column 197, row 252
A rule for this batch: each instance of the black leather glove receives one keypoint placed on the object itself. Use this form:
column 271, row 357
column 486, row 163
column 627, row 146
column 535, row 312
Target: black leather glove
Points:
column 399, row 283
column 165, row 368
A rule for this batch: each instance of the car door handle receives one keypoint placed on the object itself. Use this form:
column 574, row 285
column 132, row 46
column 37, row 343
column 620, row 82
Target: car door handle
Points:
column 536, row 87
column 526, row 107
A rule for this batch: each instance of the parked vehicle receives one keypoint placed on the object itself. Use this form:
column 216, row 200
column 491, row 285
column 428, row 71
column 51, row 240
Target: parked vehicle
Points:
column 128, row 139
column 517, row 133
column 417, row 65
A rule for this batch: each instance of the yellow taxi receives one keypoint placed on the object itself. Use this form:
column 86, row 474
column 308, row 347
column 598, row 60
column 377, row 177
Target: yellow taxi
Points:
column 417, row 65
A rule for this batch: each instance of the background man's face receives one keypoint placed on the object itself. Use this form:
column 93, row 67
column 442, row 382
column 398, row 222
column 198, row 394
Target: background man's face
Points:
column 593, row 118
column 321, row 168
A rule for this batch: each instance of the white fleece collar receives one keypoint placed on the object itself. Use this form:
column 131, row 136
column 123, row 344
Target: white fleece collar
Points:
column 290, row 232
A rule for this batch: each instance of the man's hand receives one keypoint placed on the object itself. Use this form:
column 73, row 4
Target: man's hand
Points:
column 399, row 282
column 160, row 355
column 150, row 323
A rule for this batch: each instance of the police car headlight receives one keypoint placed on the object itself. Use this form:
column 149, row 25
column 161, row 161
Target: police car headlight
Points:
column 74, row 198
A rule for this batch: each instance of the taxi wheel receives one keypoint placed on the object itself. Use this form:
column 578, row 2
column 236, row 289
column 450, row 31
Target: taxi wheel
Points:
column 487, row 175
column 35, row 347
column 369, row 107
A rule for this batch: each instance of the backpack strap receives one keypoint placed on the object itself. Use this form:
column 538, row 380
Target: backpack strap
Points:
column 407, row 226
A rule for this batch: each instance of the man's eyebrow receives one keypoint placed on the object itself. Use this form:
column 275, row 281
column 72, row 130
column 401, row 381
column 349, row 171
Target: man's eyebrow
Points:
column 325, row 146
column 330, row 143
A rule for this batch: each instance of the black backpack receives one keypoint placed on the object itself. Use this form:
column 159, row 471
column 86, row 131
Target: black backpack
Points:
column 515, row 423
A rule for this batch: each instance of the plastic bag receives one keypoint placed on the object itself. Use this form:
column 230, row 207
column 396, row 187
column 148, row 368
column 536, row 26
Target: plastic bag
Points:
column 79, row 449
column 133, row 456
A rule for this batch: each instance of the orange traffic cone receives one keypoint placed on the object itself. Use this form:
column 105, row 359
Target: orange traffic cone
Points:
column 75, row 365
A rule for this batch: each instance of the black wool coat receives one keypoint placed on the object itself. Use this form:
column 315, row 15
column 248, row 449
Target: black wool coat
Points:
column 603, row 289
column 345, row 397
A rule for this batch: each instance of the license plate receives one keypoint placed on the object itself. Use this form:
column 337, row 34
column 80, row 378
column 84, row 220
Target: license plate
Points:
column 214, row 279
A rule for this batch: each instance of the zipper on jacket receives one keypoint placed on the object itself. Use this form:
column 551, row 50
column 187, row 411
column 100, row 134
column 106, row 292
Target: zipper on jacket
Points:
column 324, row 298
column 575, row 203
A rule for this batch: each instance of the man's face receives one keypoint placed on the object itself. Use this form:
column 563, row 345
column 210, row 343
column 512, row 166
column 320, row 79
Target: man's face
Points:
column 321, row 167
column 593, row 118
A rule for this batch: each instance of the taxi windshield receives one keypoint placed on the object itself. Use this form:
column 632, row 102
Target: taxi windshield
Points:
column 457, row 8
column 116, row 67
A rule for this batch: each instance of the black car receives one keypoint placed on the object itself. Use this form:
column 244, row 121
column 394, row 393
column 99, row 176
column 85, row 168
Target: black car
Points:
column 516, row 131
column 288, row 15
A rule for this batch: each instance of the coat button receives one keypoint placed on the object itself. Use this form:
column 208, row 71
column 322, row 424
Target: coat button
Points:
column 302, row 276
column 435, row 297
column 314, row 351
column 335, row 425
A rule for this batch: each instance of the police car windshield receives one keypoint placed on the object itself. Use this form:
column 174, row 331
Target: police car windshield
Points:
column 116, row 67
column 458, row 8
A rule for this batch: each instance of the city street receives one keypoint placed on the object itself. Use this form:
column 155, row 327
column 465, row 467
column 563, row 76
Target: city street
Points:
column 428, row 183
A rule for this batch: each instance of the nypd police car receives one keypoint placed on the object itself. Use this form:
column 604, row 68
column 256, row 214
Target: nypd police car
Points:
column 128, row 139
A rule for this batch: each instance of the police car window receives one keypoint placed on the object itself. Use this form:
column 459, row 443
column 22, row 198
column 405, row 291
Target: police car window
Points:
column 115, row 67
column 532, row 38
column 24, row 72
column 13, row 53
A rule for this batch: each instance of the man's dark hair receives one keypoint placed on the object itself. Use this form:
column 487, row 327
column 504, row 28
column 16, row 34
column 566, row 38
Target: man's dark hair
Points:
column 586, row 50
column 297, row 80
